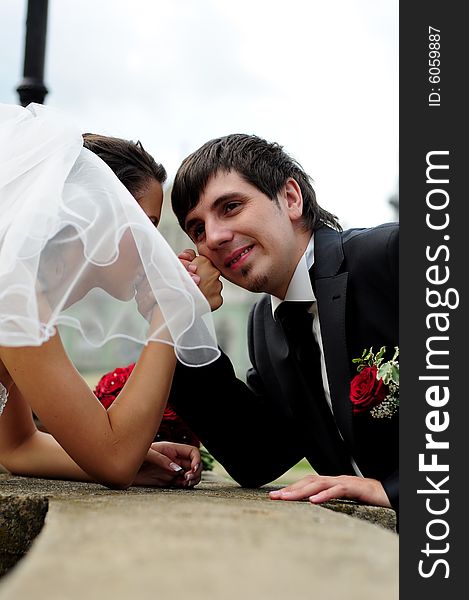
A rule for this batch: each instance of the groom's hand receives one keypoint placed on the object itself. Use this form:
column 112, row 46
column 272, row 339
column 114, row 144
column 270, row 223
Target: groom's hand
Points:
column 318, row 489
column 209, row 277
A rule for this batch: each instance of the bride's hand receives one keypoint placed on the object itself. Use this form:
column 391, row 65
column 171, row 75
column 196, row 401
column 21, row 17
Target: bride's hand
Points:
column 318, row 489
column 145, row 299
column 186, row 257
column 168, row 464
column 148, row 307
column 209, row 277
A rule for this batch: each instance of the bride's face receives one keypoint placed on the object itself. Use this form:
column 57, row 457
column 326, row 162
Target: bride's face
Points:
column 128, row 266
column 151, row 200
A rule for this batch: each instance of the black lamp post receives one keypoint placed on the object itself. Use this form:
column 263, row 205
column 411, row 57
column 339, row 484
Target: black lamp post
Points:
column 32, row 88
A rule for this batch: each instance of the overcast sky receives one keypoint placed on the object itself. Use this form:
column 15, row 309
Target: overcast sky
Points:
column 320, row 78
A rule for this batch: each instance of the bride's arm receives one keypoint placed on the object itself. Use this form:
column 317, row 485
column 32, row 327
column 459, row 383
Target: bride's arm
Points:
column 26, row 451
column 108, row 446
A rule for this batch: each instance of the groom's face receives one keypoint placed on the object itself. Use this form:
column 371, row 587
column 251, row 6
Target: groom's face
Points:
column 252, row 240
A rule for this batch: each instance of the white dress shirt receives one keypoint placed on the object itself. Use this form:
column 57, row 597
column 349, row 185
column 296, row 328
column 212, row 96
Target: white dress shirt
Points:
column 301, row 290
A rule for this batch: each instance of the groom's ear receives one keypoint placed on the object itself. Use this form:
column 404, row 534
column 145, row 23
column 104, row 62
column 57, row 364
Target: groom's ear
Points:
column 293, row 199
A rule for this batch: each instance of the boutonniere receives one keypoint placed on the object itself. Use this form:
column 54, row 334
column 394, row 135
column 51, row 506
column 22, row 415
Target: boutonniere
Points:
column 376, row 387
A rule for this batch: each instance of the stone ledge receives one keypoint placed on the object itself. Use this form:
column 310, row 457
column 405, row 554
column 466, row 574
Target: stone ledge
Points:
column 217, row 541
column 384, row 517
column 21, row 520
column 212, row 485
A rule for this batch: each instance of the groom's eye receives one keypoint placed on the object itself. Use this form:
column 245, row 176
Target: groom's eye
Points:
column 230, row 206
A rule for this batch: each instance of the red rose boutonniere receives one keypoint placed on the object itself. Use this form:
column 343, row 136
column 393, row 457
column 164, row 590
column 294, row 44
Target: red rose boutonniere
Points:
column 172, row 427
column 376, row 387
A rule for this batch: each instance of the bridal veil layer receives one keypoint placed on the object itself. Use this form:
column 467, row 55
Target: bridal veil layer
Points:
column 77, row 250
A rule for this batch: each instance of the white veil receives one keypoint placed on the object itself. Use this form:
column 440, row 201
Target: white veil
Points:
column 76, row 248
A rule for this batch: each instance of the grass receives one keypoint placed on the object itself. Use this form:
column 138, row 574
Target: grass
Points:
column 298, row 471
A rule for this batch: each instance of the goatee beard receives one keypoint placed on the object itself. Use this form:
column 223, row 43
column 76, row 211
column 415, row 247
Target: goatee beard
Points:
column 257, row 284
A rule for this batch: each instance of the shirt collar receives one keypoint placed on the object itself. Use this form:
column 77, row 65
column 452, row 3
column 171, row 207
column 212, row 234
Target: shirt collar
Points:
column 300, row 288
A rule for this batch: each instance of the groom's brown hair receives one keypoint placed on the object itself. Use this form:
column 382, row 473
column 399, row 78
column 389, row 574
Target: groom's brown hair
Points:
column 263, row 164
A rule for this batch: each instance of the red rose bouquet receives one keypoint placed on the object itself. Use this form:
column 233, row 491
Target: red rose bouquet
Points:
column 109, row 386
column 172, row 427
column 376, row 387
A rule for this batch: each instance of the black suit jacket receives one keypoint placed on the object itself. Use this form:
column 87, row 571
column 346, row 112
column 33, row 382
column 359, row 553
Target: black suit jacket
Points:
column 259, row 430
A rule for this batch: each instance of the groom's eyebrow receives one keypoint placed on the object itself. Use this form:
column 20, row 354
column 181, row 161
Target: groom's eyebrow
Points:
column 215, row 204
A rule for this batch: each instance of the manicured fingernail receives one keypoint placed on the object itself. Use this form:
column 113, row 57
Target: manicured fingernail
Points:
column 196, row 279
column 192, row 268
column 175, row 467
column 196, row 468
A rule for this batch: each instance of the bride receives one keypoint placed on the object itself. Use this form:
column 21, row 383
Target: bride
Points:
column 76, row 250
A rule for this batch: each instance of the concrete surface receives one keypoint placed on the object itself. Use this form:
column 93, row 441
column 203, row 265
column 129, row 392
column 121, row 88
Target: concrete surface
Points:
column 216, row 542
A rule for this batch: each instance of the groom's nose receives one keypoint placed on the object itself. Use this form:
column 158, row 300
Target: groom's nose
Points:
column 217, row 233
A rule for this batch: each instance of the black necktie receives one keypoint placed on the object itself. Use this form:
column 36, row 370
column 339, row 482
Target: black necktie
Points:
column 297, row 323
column 314, row 416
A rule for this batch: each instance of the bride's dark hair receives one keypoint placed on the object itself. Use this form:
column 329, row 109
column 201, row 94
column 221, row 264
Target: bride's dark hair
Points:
column 132, row 164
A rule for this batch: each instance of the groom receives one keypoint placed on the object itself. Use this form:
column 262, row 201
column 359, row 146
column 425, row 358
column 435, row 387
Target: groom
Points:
column 329, row 295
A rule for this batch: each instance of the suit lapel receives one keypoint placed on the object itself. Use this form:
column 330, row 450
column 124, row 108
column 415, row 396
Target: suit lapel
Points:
column 331, row 294
column 331, row 297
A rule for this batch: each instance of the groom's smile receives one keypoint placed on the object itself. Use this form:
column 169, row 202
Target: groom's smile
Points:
column 238, row 257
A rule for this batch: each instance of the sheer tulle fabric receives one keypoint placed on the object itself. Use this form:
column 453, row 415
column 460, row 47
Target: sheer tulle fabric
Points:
column 77, row 250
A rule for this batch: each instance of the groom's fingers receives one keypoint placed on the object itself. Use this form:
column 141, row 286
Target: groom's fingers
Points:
column 301, row 483
column 307, row 487
column 321, row 489
column 327, row 494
